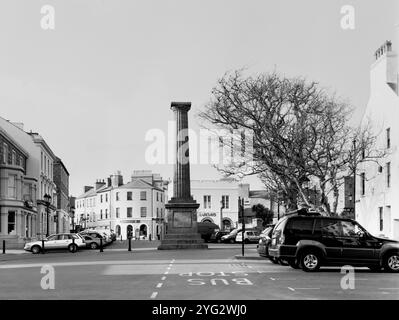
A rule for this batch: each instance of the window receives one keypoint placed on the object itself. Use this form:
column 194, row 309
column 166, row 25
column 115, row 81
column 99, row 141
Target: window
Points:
column 11, row 222
column 161, row 197
column 41, row 163
column 129, row 212
column 157, row 212
column 117, row 212
column 5, row 152
column 380, row 169
column 157, row 196
column 12, row 181
column 143, row 195
column 381, row 216
column 207, row 202
column 106, row 213
column 225, row 202
column 101, row 198
column 388, row 138
column 362, row 183
column 350, row 229
column 129, row 195
column 117, row 196
column 388, row 174
column 106, row 197
column 13, row 158
column 101, row 214
column 331, row 228
column 300, row 226
column 143, row 212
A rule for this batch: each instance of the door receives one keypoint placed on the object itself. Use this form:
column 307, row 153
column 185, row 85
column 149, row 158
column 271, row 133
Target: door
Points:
column 51, row 242
column 358, row 246
column 331, row 231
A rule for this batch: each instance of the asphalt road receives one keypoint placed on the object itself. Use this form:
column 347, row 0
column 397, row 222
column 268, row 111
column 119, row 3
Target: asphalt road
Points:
column 180, row 275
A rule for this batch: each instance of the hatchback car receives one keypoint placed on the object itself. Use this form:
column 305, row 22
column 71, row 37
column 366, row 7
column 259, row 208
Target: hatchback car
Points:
column 69, row 241
column 231, row 237
column 91, row 242
column 311, row 241
column 249, row 236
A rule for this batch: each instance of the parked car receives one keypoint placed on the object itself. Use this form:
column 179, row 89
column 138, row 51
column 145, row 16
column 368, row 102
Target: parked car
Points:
column 91, row 242
column 265, row 239
column 231, row 237
column 249, row 236
column 217, row 236
column 57, row 241
column 310, row 241
column 97, row 235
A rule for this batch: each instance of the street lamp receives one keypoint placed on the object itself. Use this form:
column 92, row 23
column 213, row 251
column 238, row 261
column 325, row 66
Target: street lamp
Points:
column 47, row 199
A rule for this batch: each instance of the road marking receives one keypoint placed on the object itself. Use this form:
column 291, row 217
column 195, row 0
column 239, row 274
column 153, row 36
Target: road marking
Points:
column 292, row 289
column 166, row 272
column 159, row 285
column 307, row 288
column 388, row 288
column 272, row 279
column 154, row 294
column 163, row 278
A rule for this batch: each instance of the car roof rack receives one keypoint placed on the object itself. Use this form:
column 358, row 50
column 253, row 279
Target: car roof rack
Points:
column 303, row 212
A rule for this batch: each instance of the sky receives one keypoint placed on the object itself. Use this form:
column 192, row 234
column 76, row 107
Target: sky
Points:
column 106, row 75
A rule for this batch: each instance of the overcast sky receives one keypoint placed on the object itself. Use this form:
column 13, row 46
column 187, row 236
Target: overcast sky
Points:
column 106, row 75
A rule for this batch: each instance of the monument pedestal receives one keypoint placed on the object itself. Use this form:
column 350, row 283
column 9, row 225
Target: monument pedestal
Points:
column 182, row 227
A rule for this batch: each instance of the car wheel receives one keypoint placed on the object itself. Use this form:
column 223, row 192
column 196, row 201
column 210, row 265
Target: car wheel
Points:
column 293, row 263
column 36, row 249
column 218, row 241
column 72, row 248
column 391, row 262
column 310, row 261
column 232, row 241
column 93, row 245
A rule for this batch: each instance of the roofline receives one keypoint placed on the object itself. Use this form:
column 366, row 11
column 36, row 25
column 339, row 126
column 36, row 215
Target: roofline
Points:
column 58, row 160
column 21, row 149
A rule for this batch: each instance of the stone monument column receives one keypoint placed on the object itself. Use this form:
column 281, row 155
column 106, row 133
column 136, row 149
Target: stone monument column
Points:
column 182, row 232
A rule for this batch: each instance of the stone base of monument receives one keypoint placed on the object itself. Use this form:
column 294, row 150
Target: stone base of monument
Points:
column 182, row 226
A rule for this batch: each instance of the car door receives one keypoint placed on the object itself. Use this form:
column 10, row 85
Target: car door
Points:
column 51, row 242
column 358, row 246
column 331, row 232
column 60, row 243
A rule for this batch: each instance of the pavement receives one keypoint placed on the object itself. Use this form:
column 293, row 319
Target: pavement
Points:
column 148, row 274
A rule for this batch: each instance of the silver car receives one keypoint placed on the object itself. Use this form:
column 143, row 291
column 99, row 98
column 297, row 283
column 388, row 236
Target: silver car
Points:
column 69, row 241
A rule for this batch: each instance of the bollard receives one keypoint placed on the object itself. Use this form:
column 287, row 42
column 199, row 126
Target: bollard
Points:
column 4, row 246
column 42, row 246
column 150, row 237
column 121, row 237
column 130, row 244
column 101, row 245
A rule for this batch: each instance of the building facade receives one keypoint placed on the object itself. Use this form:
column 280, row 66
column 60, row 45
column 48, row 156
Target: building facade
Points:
column 218, row 200
column 35, row 180
column 61, row 180
column 18, row 211
column 377, row 184
column 137, row 206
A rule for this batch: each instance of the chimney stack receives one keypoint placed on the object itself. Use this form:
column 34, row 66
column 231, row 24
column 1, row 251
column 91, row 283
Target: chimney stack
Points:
column 87, row 188
column 99, row 184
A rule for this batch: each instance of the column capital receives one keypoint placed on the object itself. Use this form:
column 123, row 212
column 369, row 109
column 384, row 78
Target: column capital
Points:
column 181, row 106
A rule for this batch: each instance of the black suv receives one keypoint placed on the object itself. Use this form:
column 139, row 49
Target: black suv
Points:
column 309, row 241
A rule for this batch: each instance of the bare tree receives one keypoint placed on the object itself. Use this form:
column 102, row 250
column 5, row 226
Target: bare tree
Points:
column 299, row 133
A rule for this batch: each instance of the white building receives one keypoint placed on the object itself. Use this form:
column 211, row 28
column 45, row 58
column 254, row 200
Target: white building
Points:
column 137, row 206
column 218, row 200
column 38, row 180
column 377, row 201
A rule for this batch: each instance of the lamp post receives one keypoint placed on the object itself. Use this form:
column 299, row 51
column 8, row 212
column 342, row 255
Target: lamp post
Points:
column 47, row 199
